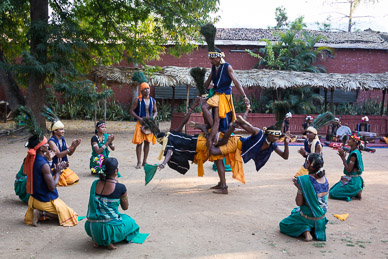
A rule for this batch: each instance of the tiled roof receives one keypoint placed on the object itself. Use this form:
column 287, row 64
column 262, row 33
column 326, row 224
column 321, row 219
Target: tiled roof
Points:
column 245, row 36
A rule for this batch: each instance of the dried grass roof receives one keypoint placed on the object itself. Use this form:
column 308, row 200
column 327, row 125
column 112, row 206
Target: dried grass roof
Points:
column 175, row 76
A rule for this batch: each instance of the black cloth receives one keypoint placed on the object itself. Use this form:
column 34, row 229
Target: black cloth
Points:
column 120, row 189
column 184, row 149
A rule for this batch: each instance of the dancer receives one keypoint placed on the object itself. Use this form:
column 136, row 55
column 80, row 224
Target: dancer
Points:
column 143, row 107
column 20, row 185
column 100, row 143
column 179, row 148
column 311, row 145
column 258, row 147
column 309, row 219
column 41, row 182
column 105, row 224
column 351, row 184
column 57, row 143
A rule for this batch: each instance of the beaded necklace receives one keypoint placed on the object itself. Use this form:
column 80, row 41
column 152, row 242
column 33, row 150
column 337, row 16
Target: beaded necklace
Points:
column 103, row 138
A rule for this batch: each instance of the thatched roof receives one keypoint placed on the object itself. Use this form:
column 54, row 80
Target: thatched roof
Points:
column 174, row 76
column 367, row 39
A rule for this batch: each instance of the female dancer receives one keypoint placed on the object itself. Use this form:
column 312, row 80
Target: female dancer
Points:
column 100, row 143
column 309, row 218
column 105, row 225
column 351, row 184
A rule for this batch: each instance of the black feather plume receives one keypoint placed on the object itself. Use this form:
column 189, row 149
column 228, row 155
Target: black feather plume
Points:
column 152, row 124
column 209, row 32
column 198, row 75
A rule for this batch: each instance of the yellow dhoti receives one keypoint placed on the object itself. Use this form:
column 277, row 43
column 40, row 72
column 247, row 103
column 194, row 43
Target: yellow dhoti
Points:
column 224, row 102
column 202, row 154
column 68, row 177
column 232, row 153
column 139, row 137
column 67, row 216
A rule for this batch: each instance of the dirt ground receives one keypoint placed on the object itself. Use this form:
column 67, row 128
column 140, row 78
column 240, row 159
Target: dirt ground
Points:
column 186, row 220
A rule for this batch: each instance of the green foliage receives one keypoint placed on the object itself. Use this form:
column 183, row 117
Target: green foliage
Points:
column 368, row 107
column 82, row 34
column 164, row 111
column 280, row 109
column 281, row 18
column 294, row 51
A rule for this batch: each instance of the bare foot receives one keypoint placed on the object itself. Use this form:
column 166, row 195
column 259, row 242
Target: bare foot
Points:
column 111, row 246
column 359, row 195
column 221, row 190
column 200, row 126
column 95, row 245
column 307, row 236
column 218, row 186
column 138, row 166
column 143, row 163
column 36, row 216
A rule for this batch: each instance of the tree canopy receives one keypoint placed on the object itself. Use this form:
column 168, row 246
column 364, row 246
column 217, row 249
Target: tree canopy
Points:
column 58, row 41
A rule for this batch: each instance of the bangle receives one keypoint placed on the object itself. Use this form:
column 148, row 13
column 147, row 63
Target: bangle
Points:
column 68, row 151
column 103, row 146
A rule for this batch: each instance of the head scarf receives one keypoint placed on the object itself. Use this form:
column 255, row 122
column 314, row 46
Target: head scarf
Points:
column 309, row 118
column 316, row 139
column 337, row 120
column 29, row 165
column 143, row 86
column 217, row 54
column 365, row 119
column 288, row 115
column 57, row 125
column 272, row 132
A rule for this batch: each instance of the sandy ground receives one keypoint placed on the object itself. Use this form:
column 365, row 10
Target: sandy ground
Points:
column 186, row 220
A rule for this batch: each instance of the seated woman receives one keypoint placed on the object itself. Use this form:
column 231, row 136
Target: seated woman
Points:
column 105, row 225
column 311, row 145
column 20, row 185
column 351, row 184
column 57, row 143
column 309, row 218
column 41, row 184
column 100, row 143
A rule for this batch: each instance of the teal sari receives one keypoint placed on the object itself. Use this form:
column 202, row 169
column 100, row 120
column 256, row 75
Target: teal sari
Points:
column 20, row 185
column 308, row 217
column 351, row 183
column 105, row 225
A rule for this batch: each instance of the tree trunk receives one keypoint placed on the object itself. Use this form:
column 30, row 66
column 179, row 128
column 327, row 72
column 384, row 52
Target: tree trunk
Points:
column 36, row 94
column 14, row 96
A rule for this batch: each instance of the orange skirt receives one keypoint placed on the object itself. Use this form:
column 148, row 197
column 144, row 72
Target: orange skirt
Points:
column 68, row 177
column 139, row 137
column 202, row 153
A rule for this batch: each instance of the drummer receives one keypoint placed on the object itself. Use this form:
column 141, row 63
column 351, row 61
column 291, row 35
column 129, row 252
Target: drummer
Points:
column 363, row 126
column 343, row 133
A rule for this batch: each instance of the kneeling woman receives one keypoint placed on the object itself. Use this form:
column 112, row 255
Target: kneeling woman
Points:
column 105, row 225
column 351, row 184
column 309, row 218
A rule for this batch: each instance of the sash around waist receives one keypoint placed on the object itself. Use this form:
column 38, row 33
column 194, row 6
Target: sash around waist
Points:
column 311, row 218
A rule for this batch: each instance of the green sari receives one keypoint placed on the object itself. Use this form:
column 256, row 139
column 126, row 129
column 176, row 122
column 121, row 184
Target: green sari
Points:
column 308, row 217
column 351, row 183
column 105, row 225
column 20, row 185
